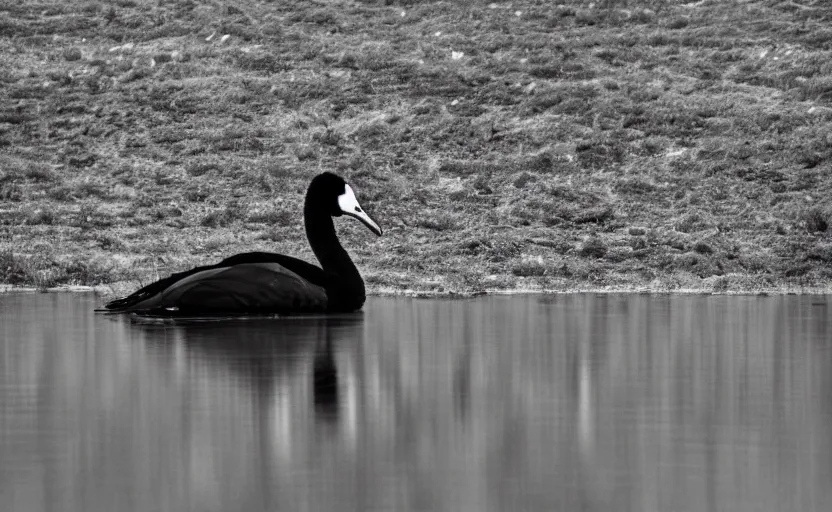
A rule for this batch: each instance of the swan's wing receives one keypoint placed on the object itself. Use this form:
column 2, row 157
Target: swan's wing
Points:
column 146, row 292
column 243, row 288
column 306, row 270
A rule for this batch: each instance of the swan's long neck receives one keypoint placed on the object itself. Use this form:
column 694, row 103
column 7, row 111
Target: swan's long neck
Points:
column 345, row 288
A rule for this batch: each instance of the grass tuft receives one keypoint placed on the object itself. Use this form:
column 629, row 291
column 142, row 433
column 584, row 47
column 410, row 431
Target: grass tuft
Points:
column 274, row 217
column 594, row 247
column 817, row 220
column 223, row 217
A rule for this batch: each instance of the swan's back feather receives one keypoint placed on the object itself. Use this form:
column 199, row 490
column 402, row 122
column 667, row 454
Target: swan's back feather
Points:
column 243, row 288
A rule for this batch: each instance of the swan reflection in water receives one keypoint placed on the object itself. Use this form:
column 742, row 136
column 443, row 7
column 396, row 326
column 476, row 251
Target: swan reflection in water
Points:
column 250, row 400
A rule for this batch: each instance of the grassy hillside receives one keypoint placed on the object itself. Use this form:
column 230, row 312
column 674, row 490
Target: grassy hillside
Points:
column 525, row 144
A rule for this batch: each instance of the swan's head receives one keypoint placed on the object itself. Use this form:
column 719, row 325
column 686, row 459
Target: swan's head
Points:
column 340, row 199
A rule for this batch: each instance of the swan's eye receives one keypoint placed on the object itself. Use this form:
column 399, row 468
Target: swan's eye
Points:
column 357, row 209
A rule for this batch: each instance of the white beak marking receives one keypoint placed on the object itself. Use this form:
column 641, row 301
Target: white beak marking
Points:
column 349, row 206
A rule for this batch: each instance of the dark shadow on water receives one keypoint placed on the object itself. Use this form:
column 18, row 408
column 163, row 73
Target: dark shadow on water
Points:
column 258, row 351
column 325, row 380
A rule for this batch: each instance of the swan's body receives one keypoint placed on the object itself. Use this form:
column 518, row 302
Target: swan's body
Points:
column 269, row 283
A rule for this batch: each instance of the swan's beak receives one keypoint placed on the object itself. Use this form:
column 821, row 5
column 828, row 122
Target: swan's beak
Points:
column 349, row 206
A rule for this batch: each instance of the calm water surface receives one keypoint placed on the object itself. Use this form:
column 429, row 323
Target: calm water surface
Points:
column 579, row 402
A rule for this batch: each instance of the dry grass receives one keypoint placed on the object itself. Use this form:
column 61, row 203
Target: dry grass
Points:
column 636, row 144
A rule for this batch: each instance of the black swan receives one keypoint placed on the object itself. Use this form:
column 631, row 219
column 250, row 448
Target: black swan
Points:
column 269, row 283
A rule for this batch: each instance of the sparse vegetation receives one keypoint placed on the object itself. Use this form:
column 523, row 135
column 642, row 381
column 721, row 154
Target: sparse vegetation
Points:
column 626, row 144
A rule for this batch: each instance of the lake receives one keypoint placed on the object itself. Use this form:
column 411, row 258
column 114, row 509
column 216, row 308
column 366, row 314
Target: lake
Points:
column 562, row 402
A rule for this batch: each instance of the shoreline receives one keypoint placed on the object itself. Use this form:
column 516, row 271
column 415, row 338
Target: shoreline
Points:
column 107, row 291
